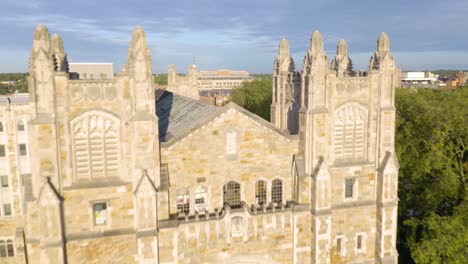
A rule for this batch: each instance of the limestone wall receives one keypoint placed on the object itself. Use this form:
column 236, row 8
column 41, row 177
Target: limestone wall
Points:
column 235, row 236
column 14, row 166
column 200, row 159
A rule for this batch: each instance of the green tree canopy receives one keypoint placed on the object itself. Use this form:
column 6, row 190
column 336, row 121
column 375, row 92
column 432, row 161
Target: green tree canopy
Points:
column 431, row 140
column 255, row 96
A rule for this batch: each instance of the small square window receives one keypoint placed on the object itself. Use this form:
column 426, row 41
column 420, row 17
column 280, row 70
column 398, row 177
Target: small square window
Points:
column 2, row 151
column 7, row 209
column 100, row 213
column 349, row 184
column 22, row 149
column 359, row 242
column 4, row 180
column 10, row 248
column 338, row 245
column 20, row 125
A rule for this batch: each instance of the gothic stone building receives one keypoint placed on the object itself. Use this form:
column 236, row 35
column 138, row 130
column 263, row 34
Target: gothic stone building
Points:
column 110, row 171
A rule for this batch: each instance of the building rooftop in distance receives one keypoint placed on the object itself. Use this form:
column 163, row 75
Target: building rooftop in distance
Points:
column 91, row 70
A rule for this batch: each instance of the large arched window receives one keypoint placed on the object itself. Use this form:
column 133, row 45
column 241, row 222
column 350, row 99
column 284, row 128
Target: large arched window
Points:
column 277, row 191
column 261, row 192
column 350, row 132
column 231, row 194
column 96, row 137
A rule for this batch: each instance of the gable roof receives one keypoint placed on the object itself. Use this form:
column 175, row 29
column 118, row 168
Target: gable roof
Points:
column 178, row 114
column 182, row 115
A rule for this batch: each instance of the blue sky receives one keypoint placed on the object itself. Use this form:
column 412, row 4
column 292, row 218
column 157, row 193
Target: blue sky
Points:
column 424, row 34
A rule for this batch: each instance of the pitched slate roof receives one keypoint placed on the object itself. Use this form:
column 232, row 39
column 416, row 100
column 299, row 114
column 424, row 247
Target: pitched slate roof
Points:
column 178, row 114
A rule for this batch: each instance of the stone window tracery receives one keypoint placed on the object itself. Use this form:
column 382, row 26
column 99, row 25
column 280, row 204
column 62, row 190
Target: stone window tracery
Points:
column 183, row 203
column 277, row 191
column 261, row 192
column 231, row 194
column 350, row 132
column 96, row 137
column 6, row 248
column 201, row 199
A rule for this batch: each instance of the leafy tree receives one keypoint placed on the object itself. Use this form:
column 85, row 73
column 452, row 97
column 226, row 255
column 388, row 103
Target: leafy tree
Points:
column 160, row 79
column 255, row 96
column 21, row 85
column 431, row 140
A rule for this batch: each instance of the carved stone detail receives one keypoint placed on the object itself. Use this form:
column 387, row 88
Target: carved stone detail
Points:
column 111, row 93
column 350, row 133
column 96, row 140
column 237, row 226
column 76, row 93
column 94, row 93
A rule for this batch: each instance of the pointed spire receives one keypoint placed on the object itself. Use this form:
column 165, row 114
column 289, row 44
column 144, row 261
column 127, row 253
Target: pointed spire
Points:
column 58, row 52
column 316, row 42
column 283, row 48
column 138, row 39
column 41, row 32
column 41, row 38
column 342, row 49
column 139, row 47
column 383, row 43
column 57, row 44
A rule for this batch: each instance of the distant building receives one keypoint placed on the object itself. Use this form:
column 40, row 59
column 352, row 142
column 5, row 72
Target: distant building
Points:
column 211, row 86
column 9, row 82
column 91, row 71
column 221, row 79
column 419, row 77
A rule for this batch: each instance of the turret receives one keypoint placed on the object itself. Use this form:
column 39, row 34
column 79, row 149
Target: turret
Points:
column 41, row 68
column 140, row 72
column 342, row 63
column 382, row 53
column 58, row 54
column 171, row 75
column 315, row 67
column 285, row 105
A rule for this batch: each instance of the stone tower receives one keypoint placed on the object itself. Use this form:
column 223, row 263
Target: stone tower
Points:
column 346, row 151
column 183, row 85
column 96, row 159
column 286, row 94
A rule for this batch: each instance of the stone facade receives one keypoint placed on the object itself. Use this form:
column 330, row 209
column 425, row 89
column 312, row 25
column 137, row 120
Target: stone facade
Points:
column 108, row 171
column 183, row 85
